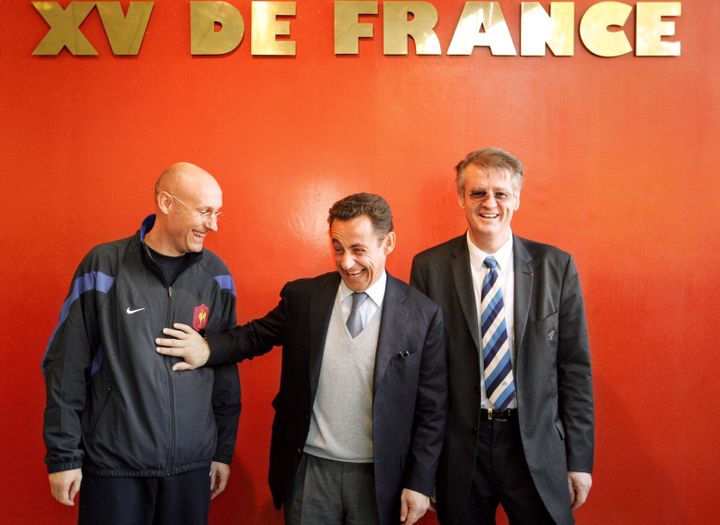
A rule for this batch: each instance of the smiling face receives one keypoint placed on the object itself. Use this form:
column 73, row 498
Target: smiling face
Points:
column 359, row 253
column 489, row 201
column 191, row 217
column 188, row 200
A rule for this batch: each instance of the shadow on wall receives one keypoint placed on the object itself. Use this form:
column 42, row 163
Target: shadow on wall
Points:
column 625, row 444
column 238, row 505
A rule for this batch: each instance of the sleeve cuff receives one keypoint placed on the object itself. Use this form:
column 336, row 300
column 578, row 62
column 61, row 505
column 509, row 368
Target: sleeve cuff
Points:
column 221, row 349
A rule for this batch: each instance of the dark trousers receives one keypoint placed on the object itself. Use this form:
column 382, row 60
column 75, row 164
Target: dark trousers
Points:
column 502, row 478
column 183, row 499
column 327, row 492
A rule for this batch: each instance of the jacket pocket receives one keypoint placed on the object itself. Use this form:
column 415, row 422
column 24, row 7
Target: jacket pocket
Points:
column 406, row 356
column 101, row 411
column 550, row 321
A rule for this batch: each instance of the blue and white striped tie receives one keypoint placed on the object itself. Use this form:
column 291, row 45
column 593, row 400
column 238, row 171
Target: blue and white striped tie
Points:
column 499, row 383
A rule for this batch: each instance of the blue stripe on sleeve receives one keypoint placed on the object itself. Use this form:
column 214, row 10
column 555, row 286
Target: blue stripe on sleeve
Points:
column 91, row 281
column 226, row 283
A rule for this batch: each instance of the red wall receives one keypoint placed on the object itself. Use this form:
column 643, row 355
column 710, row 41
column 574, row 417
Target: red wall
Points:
column 622, row 171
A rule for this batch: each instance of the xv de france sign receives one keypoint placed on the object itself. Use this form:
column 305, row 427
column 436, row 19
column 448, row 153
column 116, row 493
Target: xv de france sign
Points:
column 217, row 28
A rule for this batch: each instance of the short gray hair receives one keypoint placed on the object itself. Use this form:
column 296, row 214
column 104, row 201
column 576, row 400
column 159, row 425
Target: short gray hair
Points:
column 491, row 159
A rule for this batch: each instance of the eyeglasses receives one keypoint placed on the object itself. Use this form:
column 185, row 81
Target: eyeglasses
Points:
column 206, row 215
column 500, row 196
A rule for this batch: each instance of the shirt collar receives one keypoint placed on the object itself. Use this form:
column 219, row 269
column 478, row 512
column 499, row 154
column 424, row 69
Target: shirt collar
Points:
column 503, row 255
column 376, row 291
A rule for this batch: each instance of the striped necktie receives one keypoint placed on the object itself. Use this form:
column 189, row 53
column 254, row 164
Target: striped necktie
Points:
column 499, row 383
column 354, row 321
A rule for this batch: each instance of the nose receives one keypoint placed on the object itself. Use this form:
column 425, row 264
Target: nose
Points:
column 489, row 201
column 347, row 261
column 213, row 223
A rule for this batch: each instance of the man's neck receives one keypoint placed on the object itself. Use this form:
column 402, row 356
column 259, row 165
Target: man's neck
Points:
column 490, row 244
column 154, row 241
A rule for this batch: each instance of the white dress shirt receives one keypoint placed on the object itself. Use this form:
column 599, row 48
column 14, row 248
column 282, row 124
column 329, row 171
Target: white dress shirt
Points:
column 368, row 309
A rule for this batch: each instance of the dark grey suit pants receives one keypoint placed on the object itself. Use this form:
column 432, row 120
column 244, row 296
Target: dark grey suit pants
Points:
column 502, row 477
column 327, row 492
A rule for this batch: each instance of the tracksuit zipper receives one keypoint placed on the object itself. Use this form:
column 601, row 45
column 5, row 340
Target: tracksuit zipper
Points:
column 169, row 371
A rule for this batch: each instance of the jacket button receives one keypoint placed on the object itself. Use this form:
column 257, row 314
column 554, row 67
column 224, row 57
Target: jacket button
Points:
column 475, row 429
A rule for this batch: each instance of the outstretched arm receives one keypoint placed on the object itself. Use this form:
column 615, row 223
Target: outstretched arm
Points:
column 242, row 342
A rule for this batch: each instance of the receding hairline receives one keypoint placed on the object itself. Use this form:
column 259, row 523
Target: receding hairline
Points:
column 491, row 160
column 180, row 175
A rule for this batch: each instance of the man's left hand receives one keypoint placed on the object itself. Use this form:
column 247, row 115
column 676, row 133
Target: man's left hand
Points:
column 219, row 475
column 413, row 506
column 186, row 343
column 579, row 484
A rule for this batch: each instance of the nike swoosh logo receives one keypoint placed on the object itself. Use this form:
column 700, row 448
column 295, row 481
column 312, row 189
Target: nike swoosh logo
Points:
column 134, row 311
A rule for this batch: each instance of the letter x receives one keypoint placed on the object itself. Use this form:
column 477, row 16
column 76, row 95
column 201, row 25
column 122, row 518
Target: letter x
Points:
column 64, row 28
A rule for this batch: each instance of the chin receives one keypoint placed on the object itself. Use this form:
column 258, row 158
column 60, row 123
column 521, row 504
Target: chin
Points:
column 357, row 287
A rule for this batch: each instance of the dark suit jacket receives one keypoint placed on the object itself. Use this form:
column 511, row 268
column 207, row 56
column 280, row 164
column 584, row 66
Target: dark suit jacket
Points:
column 551, row 369
column 410, row 383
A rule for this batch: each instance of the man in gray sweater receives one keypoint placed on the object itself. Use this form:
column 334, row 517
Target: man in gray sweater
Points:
column 360, row 415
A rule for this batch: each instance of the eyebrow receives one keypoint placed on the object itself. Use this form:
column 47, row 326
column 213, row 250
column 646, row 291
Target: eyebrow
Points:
column 494, row 188
column 355, row 245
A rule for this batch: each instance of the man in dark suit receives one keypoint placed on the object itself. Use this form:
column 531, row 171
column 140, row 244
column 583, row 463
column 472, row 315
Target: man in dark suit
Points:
column 360, row 415
column 520, row 401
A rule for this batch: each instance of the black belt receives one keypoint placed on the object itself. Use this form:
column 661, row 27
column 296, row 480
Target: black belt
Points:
column 489, row 414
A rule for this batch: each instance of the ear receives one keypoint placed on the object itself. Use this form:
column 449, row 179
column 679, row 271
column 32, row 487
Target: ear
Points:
column 516, row 206
column 461, row 199
column 164, row 201
column 389, row 243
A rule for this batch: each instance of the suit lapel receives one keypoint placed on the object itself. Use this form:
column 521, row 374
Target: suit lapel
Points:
column 523, row 290
column 392, row 325
column 320, row 311
column 462, row 278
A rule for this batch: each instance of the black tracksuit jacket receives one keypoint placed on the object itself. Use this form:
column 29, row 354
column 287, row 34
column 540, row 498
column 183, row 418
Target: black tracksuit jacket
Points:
column 114, row 406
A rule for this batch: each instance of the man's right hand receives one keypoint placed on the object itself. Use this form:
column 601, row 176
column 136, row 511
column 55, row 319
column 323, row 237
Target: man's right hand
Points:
column 187, row 344
column 65, row 485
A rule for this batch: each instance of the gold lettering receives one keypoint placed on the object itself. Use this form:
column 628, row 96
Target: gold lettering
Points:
column 217, row 27
column 64, row 28
column 594, row 29
column 204, row 40
column 557, row 29
column 650, row 29
column 265, row 27
column 348, row 30
column 482, row 24
column 397, row 28
column 125, row 33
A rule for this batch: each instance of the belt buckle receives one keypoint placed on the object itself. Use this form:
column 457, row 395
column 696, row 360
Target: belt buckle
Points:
column 498, row 415
column 490, row 414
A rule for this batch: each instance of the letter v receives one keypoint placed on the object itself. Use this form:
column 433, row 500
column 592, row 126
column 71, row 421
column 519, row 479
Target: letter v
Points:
column 125, row 33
